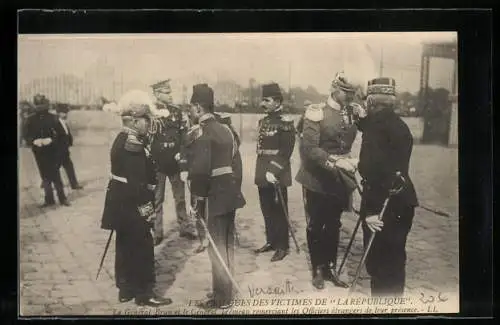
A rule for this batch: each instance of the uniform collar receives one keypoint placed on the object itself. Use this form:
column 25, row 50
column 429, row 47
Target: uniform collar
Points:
column 205, row 117
column 131, row 131
column 333, row 103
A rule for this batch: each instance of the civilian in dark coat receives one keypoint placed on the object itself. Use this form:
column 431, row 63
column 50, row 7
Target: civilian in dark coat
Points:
column 385, row 150
column 64, row 142
column 42, row 134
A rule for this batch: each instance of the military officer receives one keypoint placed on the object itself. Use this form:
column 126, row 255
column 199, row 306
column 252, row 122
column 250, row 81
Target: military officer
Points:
column 276, row 141
column 211, row 154
column 42, row 134
column 385, row 149
column 129, row 204
column 237, row 167
column 327, row 177
column 166, row 149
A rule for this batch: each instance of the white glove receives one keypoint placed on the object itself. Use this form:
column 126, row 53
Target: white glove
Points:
column 38, row 142
column 151, row 218
column 373, row 223
column 358, row 110
column 353, row 161
column 345, row 164
column 177, row 156
column 46, row 141
column 184, row 176
column 271, row 178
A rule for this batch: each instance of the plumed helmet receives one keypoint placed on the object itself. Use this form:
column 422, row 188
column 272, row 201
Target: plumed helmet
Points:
column 136, row 103
column 341, row 82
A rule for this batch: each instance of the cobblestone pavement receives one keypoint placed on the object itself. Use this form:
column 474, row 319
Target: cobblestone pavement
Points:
column 60, row 247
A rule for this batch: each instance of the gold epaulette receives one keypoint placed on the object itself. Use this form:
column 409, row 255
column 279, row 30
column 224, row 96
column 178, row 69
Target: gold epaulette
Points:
column 314, row 112
column 133, row 144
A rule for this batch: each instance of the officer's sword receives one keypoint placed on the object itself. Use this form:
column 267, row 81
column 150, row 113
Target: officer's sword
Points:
column 351, row 241
column 290, row 227
column 216, row 251
column 392, row 192
column 105, row 252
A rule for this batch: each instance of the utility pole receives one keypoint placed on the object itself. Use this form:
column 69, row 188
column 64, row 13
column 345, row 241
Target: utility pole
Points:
column 381, row 68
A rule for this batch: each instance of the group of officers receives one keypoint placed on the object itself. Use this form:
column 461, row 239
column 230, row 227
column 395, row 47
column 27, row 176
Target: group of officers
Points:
column 47, row 132
column 201, row 149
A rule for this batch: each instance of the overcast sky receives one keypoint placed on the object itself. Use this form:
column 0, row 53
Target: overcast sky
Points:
column 312, row 58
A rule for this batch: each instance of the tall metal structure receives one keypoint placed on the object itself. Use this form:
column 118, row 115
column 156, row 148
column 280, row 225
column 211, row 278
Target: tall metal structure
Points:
column 443, row 116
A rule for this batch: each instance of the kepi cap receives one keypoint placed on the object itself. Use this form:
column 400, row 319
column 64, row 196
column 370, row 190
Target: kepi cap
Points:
column 382, row 86
column 162, row 86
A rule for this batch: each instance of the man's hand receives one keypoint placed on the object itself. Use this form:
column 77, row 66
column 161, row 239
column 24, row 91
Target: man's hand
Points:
column 184, row 176
column 271, row 178
column 177, row 156
column 151, row 218
column 345, row 164
column 46, row 141
column 358, row 110
column 373, row 223
column 38, row 142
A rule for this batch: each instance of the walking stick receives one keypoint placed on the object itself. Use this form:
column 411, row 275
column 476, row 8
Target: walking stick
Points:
column 290, row 227
column 392, row 192
column 104, row 254
column 217, row 253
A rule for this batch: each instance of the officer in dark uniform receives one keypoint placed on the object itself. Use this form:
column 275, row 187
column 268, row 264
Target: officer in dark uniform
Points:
column 385, row 149
column 42, row 135
column 167, row 148
column 64, row 142
column 274, row 148
column 327, row 176
column 129, row 206
column 237, row 167
column 211, row 152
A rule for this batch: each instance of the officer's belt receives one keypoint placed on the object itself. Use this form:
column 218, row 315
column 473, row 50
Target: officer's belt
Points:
column 125, row 181
column 267, row 151
column 222, row 171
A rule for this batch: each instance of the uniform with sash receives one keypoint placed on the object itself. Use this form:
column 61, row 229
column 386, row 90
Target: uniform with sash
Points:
column 326, row 132
column 275, row 144
column 386, row 149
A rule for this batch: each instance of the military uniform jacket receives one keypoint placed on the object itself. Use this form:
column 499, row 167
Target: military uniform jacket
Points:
column 211, row 149
column 325, row 131
column 129, row 195
column 166, row 144
column 275, row 144
column 237, row 164
column 385, row 149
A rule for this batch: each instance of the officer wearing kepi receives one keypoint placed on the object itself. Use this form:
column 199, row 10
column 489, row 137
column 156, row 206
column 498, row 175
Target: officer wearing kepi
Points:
column 385, row 150
column 167, row 149
column 276, row 141
column 129, row 204
column 212, row 148
column 327, row 176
